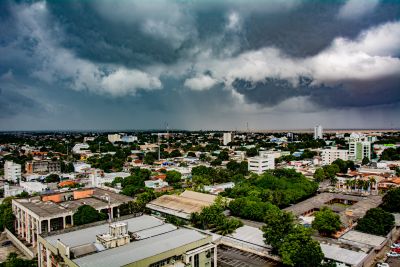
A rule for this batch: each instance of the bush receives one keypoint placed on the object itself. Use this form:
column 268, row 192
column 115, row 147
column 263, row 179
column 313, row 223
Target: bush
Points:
column 376, row 221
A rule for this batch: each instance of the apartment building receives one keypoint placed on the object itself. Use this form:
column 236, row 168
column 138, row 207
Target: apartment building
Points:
column 12, row 171
column 227, row 138
column 318, row 132
column 261, row 164
column 330, row 155
column 359, row 150
column 42, row 166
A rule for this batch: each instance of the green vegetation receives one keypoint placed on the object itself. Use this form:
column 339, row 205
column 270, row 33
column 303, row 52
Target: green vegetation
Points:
column 365, row 161
column 251, row 208
column 52, row 178
column 299, row 249
column 391, row 201
column 291, row 241
column 14, row 261
column 326, row 222
column 87, row 214
column 391, row 154
column 6, row 215
column 213, row 218
column 173, row 177
column 280, row 187
column 376, row 221
column 202, row 175
column 175, row 220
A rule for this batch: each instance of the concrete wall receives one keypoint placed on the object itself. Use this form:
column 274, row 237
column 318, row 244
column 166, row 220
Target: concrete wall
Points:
column 24, row 249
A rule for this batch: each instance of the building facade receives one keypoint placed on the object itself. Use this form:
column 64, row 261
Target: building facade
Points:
column 227, row 138
column 42, row 166
column 318, row 132
column 141, row 241
column 12, row 171
column 261, row 164
column 330, row 155
column 359, row 150
column 112, row 138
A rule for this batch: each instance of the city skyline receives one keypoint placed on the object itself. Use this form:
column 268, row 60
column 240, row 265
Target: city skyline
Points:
column 199, row 65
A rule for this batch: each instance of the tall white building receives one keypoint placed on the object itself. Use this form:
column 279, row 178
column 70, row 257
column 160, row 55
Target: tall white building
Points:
column 227, row 138
column 330, row 155
column 359, row 150
column 12, row 171
column 318, row 132
column 261, row 164
column 112, row 138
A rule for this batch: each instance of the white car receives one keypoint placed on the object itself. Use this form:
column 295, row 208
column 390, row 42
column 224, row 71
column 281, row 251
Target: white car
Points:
column 393, row 254
column 395, row 245
column 382, row 264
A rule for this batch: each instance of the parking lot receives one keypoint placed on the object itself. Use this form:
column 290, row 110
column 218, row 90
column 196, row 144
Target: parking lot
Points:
column 231, row 257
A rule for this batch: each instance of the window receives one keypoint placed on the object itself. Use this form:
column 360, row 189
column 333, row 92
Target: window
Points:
column 196, row 260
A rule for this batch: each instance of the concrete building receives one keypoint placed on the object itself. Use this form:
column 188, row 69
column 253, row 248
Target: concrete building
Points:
column 12, row 171
column 227, row 138
column 318, row 132
column 261, row 164
column 112, row 138
column 81, row 167
column 81, row 148
column 332, row 154
column 129, row 139
column 359, row 150
column 52, row 212
column 140, row 241
column 181, row 206
column 42, row 166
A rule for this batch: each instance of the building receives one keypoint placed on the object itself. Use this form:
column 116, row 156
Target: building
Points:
column 80, row 148
column 52, row 212
column 129, row 139
column 359, row 150
column 318, row 132
column 81, row 167
column 12, row 171
column 227, row 138
column 140, row 241
column 332, row 154
column 261, row 164
column 182, row 205
column 42, row 166
column 112, row 138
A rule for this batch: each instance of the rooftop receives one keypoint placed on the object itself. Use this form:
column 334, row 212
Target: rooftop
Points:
column 346, row 256
column 153, row 237
column 363, row 238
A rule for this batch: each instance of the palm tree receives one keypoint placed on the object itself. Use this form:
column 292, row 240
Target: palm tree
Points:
column 348, row 184
column 372, row 182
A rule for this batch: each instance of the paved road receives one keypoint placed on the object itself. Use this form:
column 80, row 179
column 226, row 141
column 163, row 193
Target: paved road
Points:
column 231, row 257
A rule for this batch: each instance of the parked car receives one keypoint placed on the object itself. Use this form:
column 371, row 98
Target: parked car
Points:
column 395, row 245
column 393, row 254
column 382, row 264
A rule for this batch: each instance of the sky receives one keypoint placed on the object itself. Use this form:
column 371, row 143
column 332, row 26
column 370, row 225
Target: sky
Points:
column 199, row 64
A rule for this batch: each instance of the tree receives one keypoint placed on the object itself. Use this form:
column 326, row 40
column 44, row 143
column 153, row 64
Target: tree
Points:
column 14, row 261
column 87, row 214
column 191, row 154
column 341, row 164
column 149, row 159
column 391, row 201
column 365, row 161
column 216, row 162
column 277, row 225
column 300, row 250
column 52, row 178
column 175, row 153
column 376, row 221
column 326, row 222
column 223, row 156
column 252, row 152
column 173, row 177
column 319, row 175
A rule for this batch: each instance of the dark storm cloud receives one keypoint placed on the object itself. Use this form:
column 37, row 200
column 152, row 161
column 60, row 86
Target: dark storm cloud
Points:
column 185, row 59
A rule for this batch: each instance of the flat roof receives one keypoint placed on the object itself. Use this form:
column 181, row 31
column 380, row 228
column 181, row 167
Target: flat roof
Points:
column 139, row 250
column 363, row 238
column 336, row 253
column 88, row 235
column 43, row 209
column 249, row 234
column 182, row 205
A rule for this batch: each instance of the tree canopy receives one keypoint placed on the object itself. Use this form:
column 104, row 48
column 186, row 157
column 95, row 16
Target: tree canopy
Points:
column 376, row 221
column 87, row 214
column 326, row 222
column 391, row 201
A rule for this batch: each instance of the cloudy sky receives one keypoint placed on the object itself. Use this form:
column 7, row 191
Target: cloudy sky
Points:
column 199, row 64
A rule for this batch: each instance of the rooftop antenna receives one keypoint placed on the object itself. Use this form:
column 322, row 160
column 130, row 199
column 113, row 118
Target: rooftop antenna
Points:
column 159, row 147
column 247, row 126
